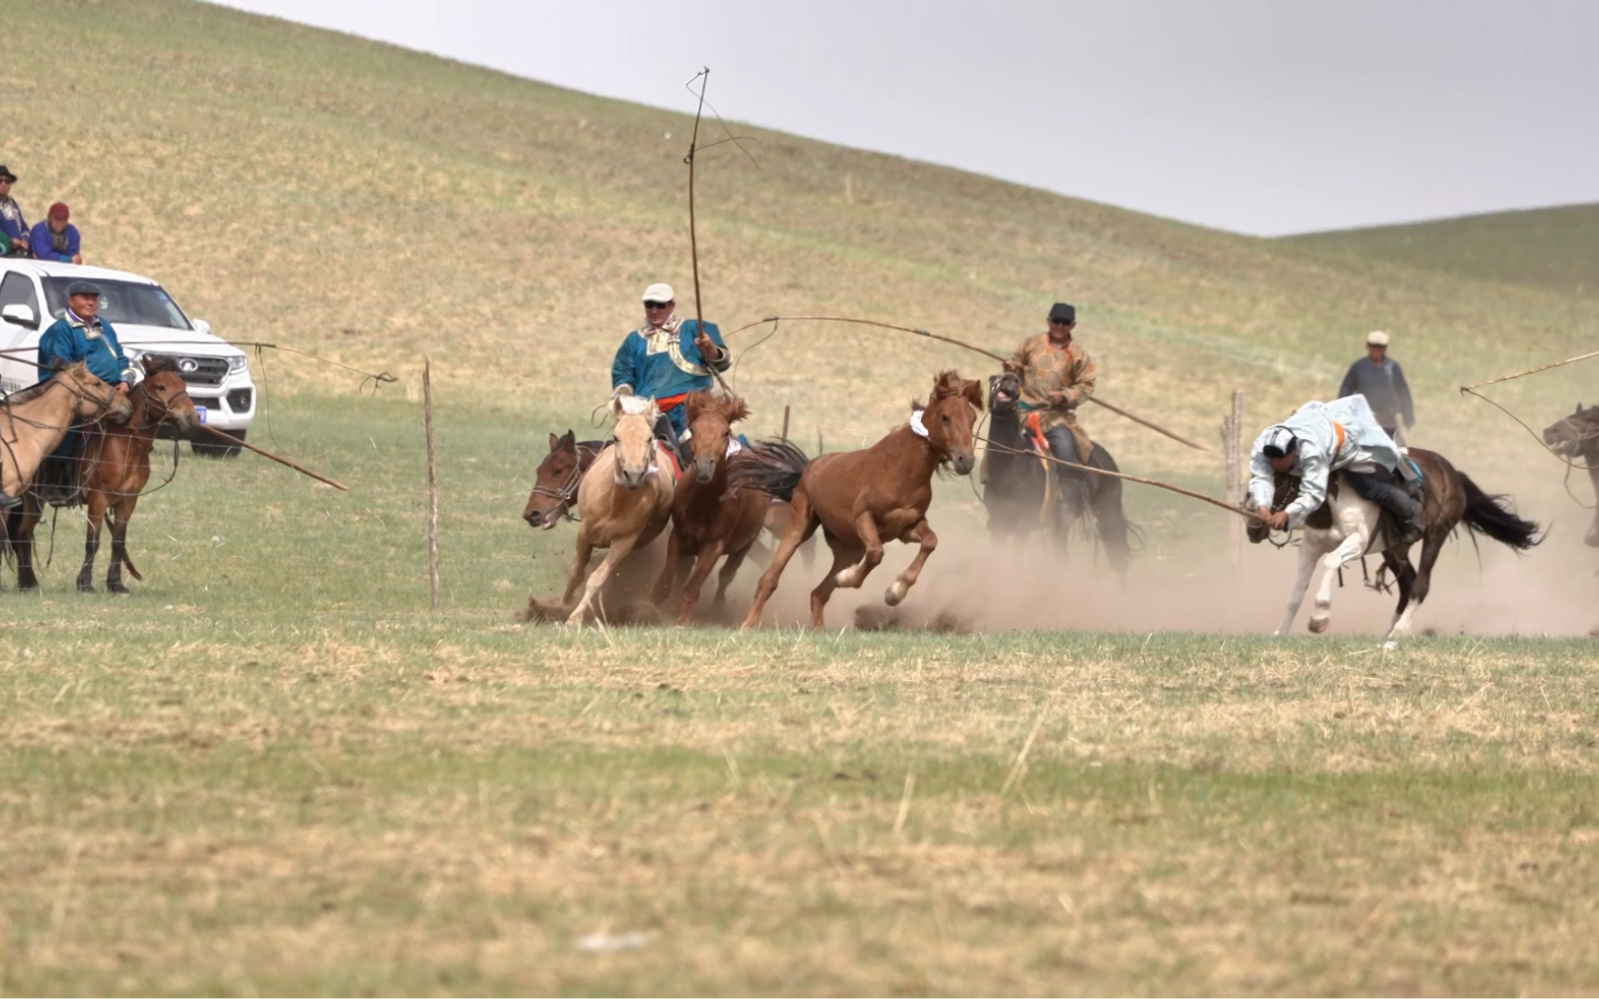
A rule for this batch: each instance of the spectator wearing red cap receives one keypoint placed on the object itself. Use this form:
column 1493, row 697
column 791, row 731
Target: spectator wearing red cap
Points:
column 55, row 238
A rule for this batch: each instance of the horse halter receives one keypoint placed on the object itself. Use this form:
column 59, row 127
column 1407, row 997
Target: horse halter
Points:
column 165, row 410
column 566, row 493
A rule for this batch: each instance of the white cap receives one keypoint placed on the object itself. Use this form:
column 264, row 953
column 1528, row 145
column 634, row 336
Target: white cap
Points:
column 1376, row 338
column 1280, row 439
column 659, row 292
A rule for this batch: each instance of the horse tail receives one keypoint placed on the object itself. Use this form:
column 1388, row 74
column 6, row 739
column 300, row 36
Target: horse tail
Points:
column 771, row 466
column 1494, row 516
column 1116, row 532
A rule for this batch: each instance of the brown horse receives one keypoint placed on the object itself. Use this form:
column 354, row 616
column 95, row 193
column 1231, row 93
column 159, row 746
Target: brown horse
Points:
column 861, row 498
column 709, row 519
column 115, row 466
column 1577, row 436
column 556, row 481
column 624, row 502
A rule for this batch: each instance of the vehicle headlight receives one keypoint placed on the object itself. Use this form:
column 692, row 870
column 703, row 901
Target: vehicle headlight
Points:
column 237, row 364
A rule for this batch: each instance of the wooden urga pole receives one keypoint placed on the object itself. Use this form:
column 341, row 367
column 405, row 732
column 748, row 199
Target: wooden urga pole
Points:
column 223, row 435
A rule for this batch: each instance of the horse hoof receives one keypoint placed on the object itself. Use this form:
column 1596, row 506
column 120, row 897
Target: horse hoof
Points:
column 118, row 589
column 1390, row 645
column 85, row 588
column 894, row 594
column 1319, row 623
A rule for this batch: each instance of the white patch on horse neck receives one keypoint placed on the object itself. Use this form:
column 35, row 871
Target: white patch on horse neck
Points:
column 917, row 426
column 733, row 446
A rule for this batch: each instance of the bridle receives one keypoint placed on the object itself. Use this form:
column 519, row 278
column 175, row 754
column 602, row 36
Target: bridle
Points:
column 566, row 493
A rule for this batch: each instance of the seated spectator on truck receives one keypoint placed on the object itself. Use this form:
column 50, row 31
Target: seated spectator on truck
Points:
column 13, row 227
column 55, row 238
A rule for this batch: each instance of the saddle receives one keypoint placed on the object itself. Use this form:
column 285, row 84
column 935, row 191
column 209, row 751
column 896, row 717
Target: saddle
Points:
column 59, row 480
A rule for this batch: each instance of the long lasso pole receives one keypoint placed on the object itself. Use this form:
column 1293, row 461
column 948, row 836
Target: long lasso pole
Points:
column 1248, row 514
column 976, row 350
column 693, row 239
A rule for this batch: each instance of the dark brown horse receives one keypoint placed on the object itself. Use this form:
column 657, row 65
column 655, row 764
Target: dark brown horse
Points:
column 709, row 519
column 861, row 498
column 1348, row 526
column 556, row 481
column 115, row 466
column 1577, row 437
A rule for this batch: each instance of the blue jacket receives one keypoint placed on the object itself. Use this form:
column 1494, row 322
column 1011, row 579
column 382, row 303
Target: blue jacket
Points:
column 43, row 249
column 665, row 364
column 68, row 340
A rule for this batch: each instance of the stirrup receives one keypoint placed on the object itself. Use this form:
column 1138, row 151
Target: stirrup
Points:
column 9, row 502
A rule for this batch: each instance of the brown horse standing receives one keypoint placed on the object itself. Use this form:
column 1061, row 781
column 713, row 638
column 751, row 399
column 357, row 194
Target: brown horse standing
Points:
column 115, row 468
column 556, row 481
column 861, row 498
column 708, row 518
column 1577, row 436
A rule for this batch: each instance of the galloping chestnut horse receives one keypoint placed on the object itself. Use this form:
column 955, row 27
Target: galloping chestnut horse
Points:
column 708, row 518
column 1577, row 436
column 1347, row 526
column 556, row 481
column 115, row 468
column 861, row 498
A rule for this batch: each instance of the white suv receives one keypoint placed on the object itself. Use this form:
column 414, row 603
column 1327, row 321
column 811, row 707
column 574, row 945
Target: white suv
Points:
column 33, row 294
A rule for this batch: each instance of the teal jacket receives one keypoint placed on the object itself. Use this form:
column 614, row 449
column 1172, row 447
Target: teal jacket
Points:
column 667, row 365
column 69, row 339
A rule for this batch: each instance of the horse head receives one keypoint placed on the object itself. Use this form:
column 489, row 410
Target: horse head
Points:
column 950, row 417
column 711, row 416
column 634, row 437
column 1004, row 392
column 1571, row 436
column 166, row 395
column 93, row 398
column 555, row 483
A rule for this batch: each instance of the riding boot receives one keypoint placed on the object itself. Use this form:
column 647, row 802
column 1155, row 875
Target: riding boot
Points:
column 1407, row 516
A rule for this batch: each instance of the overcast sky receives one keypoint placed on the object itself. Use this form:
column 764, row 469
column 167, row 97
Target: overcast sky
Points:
column 1249, row 115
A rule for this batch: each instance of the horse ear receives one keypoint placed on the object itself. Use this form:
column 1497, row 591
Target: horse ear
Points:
column 736, row 409
column 555, row 442
column 974, row 394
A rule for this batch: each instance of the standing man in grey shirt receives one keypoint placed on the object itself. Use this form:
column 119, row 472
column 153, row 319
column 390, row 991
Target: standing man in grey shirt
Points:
column 1379, row 378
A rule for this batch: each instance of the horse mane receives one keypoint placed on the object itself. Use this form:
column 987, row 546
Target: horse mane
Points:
column 633, row 405
column 948, row 384
column 730, row 408
column 37, row 389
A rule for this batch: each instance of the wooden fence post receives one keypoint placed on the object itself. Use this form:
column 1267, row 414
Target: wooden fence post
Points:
column 1232, row 438
column 433, row 485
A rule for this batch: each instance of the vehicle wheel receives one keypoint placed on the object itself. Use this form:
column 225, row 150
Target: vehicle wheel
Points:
column 211, row 447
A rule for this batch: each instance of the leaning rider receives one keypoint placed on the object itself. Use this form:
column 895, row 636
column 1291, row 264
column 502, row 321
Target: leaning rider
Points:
column 81, row 334
column 1057, row 377
column 1323, row 438
column 667, row 358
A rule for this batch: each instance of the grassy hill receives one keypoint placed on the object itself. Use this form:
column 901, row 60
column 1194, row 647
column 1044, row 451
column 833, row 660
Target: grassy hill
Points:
column 372, row 204
column 1549, row 248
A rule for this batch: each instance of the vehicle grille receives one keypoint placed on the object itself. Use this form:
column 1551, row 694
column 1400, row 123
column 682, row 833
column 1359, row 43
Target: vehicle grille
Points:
column 202, row 370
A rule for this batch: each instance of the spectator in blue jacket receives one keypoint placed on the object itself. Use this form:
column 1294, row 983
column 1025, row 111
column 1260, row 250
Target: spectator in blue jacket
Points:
column 13, row 227
column 55, row 238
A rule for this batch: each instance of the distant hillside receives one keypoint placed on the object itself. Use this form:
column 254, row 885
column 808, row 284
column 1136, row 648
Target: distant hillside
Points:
column 1553, row 248
column 351, row 198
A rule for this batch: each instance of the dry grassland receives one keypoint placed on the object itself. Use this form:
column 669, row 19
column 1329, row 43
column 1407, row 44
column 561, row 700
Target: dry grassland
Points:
column 275, row 769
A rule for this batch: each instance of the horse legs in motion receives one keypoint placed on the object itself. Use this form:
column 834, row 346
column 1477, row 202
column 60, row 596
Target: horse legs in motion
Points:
column 1347, row 527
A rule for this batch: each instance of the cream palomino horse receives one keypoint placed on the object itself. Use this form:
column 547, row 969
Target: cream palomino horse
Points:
column 34, row 421
column 624, row 500
column 1347, row 527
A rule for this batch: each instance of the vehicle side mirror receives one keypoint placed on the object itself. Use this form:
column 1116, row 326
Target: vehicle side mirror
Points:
column 202, row 327
column 19, row 314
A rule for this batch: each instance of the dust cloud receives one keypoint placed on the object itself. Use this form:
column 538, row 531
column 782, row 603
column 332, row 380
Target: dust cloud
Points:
column 972, row 584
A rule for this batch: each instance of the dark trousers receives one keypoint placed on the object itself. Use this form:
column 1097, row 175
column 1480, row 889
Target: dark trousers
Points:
column 1073, row 481
column 1380, row 488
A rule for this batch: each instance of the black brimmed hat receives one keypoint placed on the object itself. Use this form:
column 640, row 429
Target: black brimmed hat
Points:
column 5, row 172
column 77, row 288
column 1060, row 312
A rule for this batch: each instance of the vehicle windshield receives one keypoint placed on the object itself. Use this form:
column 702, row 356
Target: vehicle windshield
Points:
column 122, row 302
